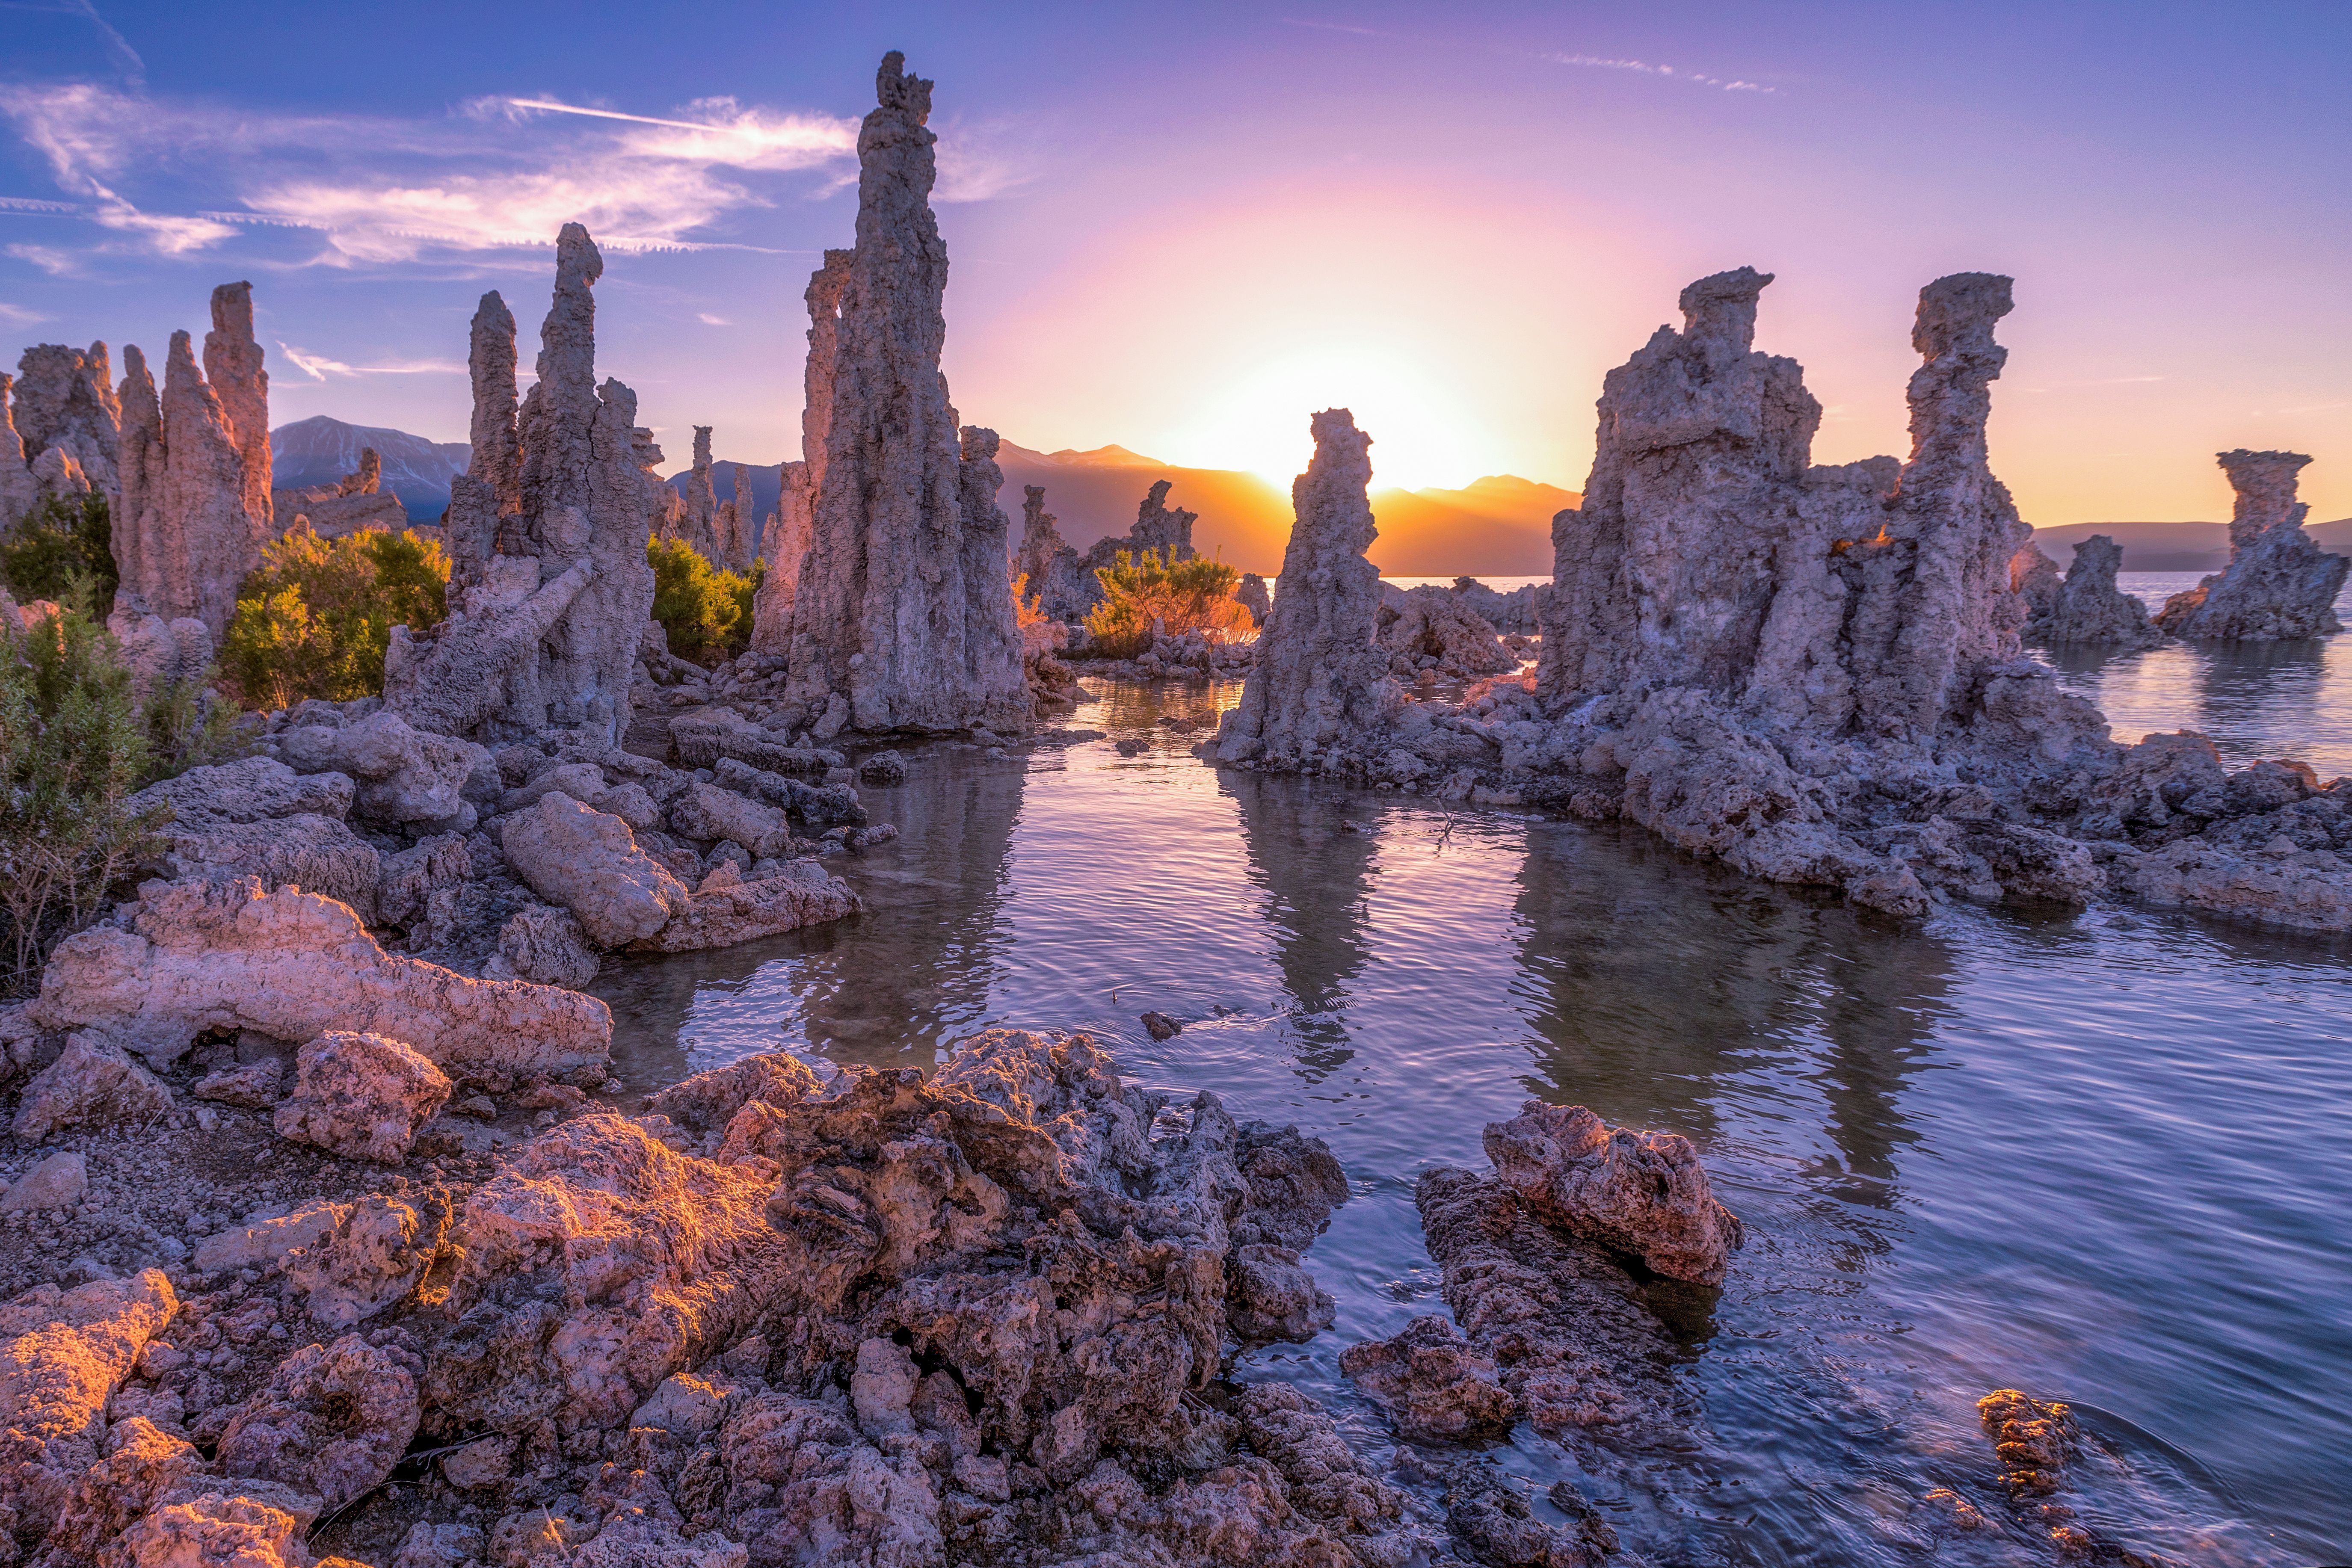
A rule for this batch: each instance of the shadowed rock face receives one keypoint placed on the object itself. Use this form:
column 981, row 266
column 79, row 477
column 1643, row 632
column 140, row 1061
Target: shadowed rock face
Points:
column 1056, row 581
column 903, row 609
column 1321, row 681
column 2088, row 609
column 547, row 536
column 793, row 527
column 2279, row 584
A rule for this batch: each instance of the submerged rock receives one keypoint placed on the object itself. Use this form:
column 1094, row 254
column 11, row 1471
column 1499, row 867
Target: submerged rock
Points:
column 1430, row 1382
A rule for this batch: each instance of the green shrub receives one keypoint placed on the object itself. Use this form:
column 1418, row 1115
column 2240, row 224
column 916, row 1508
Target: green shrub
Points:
column 1192, row 595
column 314, row 620
column 63, row 550
column 704, row 611
column 76, row 742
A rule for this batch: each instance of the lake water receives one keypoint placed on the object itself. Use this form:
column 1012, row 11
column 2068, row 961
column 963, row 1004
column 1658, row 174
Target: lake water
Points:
column 2102, row 1158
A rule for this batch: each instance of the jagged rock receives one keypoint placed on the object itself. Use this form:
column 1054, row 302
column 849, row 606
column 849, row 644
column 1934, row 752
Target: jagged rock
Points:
column 356, row 501
column 548, row 534
column 269, row 1242
column 1435, row 623
column 219, row 1527
column 144, row 1468
column 57, row 1182
column 1321, row 682
column 57, row 476
column 2034, row 578
column 403, row 774
column 547, row 946
column 185, row 552
column 1571, row 1347
column 333, row 1420
column 2088, row 609
column 374, row 1254
column 1488, row 1513
column 1432, row 1384
column 93, row 1083
column 903, row 607
column 251, row 789
column 737, row 524
column 2300, row 891
column 233, row 365
column 882, row 769
column 19, row 492
column 722, row 912
column 1644, row 1194
column 256, row 817
column 697, row 525
column 1159, row 529
column 589, row 863
column 1253, row 598
column 787, row 542
column 2279, row 584
column 62, row 1352
column 365, row 1096
column 191, row 956
column 708, row 1102
column 1054, row 579
column 63, row 400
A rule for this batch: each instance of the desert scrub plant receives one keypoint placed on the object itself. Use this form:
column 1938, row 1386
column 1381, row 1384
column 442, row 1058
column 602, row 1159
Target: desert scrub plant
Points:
column 1191, row 595
column 63, row 550
column 1026, row 611
column 704, row 610
column 77, row 741
column 314, row 619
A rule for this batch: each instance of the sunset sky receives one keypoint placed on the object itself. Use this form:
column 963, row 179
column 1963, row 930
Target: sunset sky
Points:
column 1182, row 228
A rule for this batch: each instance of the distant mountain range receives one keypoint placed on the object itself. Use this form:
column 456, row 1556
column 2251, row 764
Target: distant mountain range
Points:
column 2176, row 547
column 1499, row 526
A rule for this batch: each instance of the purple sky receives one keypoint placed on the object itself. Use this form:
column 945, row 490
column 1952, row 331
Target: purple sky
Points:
column 1182, row 228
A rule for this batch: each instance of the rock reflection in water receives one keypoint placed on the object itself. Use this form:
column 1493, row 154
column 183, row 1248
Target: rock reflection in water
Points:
column 1314, row 860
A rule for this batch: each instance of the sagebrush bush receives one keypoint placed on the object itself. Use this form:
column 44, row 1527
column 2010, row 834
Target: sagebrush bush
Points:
column 704, row 610
column 315, row 619
column 1194, row 595
column 63, row 550
column 77, row 740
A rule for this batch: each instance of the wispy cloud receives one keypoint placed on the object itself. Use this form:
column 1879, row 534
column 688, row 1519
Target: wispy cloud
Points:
column 707, row 320
column 318, row 367
column 20, row 315
column 501, row 172
column 1552, row 57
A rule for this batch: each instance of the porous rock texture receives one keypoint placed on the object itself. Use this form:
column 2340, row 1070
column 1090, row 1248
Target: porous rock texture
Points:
column 362, row 1096
column 1642, row 1193
column 189, row 956
column 787, row 541
column 64, row 401
column 186, row 532
column 233, row 367
column 1433, row 628
column 737, row 524
column 403, row 775
column 19, row 491
column 1053, row 576
column 588, row 861
column 1430, row 1382
column 903, row 607
column 1321, row 686
column 2279, row 584
column 2087, row 610
column 557, row 591
column 256, row 817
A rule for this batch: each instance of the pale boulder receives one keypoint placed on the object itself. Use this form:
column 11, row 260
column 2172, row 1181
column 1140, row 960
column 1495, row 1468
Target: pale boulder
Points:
column 57, row 1182
column 93, row 1083
column 589, row 862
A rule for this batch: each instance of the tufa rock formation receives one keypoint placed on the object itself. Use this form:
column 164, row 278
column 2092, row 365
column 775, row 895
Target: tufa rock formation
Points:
column 556, row 590
column 697, row 523
column 2088, row 609
column 1321, row 684
column 233, row 366
column 2279, row 584
column 1056, row 579
column 19, row 491
column 786, row 544
column 903, row 611
column 357, row 501
column 196, row 537
column 65, row 402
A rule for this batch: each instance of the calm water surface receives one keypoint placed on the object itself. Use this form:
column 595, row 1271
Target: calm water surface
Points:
column 2104, row 1158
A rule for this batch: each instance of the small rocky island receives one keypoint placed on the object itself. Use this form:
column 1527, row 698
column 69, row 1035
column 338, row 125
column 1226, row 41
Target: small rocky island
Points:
column 280, row 1295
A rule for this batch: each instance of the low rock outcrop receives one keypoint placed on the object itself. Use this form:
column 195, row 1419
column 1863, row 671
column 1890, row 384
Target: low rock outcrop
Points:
column 189, row 957
column 2279, row 584
column 1641, row 1194
column 2087, row 610
column 1433, row 630
column 357, row 501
